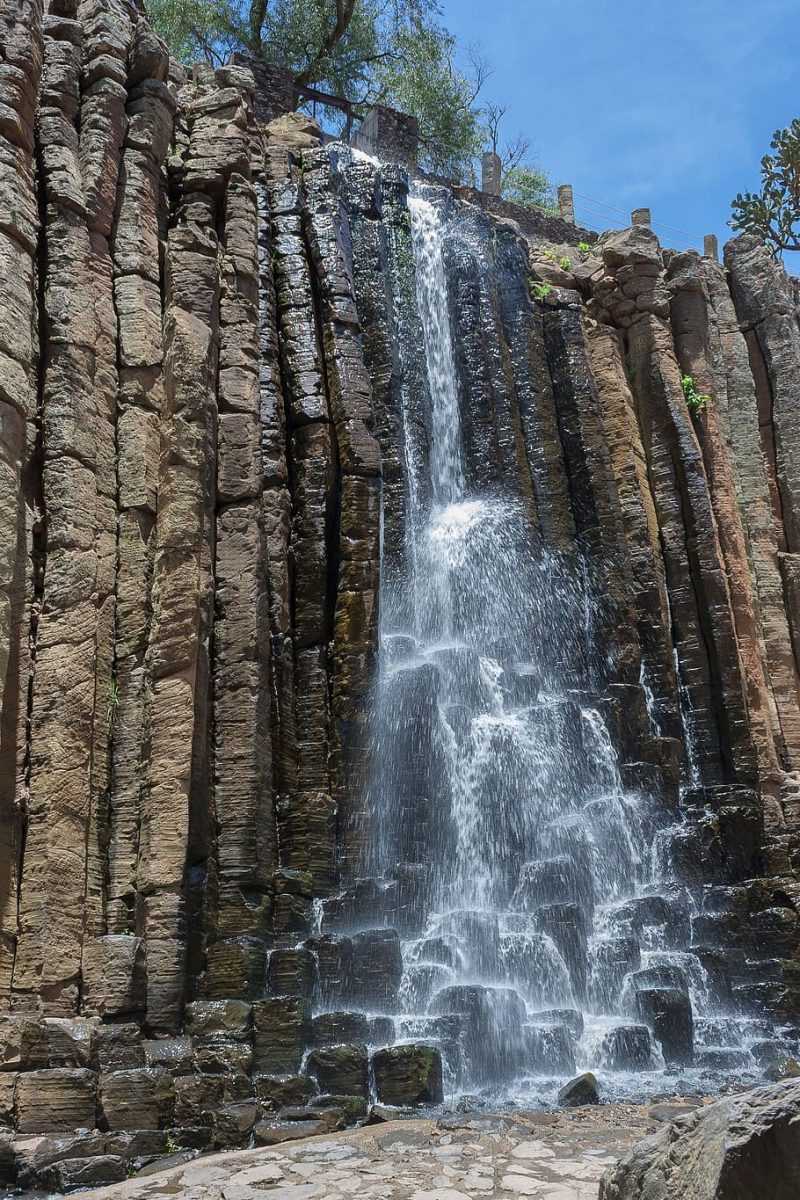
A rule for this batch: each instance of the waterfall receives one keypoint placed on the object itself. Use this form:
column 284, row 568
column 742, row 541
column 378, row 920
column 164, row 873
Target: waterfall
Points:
column 538, row 930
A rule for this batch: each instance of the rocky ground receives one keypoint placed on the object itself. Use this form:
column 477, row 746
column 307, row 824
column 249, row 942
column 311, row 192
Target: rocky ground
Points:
column 552, row 1156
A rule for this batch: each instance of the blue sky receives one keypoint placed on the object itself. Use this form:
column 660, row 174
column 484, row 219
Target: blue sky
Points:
column 641, row 102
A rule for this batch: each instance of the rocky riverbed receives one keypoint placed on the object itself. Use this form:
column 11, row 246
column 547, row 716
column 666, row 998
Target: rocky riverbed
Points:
column 548, row 1155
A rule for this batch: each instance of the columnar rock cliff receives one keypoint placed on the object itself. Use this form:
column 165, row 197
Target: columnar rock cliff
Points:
column 208, row 346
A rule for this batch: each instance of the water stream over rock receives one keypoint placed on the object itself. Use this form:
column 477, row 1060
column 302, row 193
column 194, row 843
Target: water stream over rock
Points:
column 516, row 893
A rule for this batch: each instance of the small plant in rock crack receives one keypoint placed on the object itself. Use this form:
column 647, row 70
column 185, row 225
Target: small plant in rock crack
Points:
column 542, row 290
column 696, row 401
column 565, row 263
column 584, row 248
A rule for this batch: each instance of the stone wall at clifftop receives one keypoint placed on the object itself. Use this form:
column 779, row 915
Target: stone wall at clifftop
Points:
column 200, row 370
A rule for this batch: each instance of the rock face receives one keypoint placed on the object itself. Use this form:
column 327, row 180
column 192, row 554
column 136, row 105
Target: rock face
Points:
column 210, row 348
column 740, row 1147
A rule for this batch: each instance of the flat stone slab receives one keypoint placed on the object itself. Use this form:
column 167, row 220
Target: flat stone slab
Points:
column 497, row 1156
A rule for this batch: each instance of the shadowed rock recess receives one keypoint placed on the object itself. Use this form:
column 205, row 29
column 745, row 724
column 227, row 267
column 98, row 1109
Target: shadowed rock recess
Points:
column 399, row 681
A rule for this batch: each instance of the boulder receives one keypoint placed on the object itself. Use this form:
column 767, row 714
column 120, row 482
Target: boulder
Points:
column 408, row 1074
column 580, row 1090
column 71, row 1173
column 741, row 1148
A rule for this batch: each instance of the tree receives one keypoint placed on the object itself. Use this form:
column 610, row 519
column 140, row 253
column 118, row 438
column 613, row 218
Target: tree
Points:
column 369, row 51
column 421, row 77
column 529, row 186
column 774, row 212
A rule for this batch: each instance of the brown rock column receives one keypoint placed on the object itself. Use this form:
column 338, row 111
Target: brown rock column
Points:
column 646, row 570
column 632, row 289
column 176, row 803
column 699, row 350
column 52, row 896
column 102, row 130
column 303, row 623
column 243, row 769
column 21, row 38
column 137, row 250
column 740, row 412
column 765, row 307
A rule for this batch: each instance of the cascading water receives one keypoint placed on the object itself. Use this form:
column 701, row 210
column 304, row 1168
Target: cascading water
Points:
column 537, row 932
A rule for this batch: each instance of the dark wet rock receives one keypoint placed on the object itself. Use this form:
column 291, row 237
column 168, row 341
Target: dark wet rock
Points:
column 363, row 905
column 332, row 1027
column 347, row 1109
column 493, row 1037
column 273, row 1133
column 281, row 1091
column 627, row 1048
column 291, row 973
column 381, row 1031
column 741, row 1147
column 550, row 1049
column 668, row 1013
column 339, row 1069
column 377, row 968
column 233, row 1123
column 553, row 881
column 282, row 1028
column 723, row 1058
column 408, row 1074
column 580, row 1090
column 666, row 976
column 72, row 1173
column 207, row 1019
column 566, row 924
column 571, row 1017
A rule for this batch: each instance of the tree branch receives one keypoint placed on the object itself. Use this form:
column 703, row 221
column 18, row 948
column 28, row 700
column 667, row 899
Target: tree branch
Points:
column 344, row 15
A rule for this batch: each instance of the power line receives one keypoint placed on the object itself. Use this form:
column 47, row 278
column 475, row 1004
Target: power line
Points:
column 602, row 204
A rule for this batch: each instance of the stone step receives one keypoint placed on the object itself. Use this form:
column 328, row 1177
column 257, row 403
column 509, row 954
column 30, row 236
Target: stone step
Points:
column 627, row 1048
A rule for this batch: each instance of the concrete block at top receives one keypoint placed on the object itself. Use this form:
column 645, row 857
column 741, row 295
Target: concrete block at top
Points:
column 566, row 203
column 641, row 216
column 711, row 246
column 389, row 135
column 491, row 173
column 275, row 90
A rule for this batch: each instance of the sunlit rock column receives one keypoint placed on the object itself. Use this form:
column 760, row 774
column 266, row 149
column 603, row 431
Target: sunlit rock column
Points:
column 20, row 500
